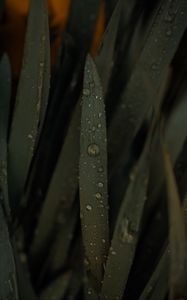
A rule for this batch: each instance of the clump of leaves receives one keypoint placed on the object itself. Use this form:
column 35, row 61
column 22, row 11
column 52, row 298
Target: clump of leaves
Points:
column 93, row 163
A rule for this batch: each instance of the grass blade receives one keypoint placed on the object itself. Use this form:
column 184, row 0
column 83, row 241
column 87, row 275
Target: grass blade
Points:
column 177, row 234
column 62, row 189
column 105, row 55
column 8, row 281
column 127, row 229
column 31, row 98
column 61, row 246
column 161, row 273
column 159, row 49
column 157, row 286
column 93, row 175
column 175, row 130
column 23, row 276
column 5, row 91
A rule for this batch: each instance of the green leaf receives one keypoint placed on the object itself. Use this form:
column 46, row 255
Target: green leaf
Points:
column 157, row 286
column 23, row 275
column 31, row 99
column 65, row 234
column 5, row 92
column 62, row 188
column 127, row 229
column 105, row 56
column 177, row 234
column 157, row 53
column 8, row 281
column 93, row 175
column 175, row 136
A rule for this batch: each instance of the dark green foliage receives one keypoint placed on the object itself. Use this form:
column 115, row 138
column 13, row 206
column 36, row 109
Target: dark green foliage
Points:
column 31, row 100
column 5, row 90
column 93, row 174
column 93, row 161
column 177, row 234
column 8, row 282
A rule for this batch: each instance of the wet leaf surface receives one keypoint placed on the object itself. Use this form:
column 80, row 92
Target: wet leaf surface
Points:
column 31, row 100
column 93, row 174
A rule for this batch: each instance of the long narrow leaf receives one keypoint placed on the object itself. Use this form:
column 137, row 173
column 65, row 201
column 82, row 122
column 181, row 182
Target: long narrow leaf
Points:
column 105, row 57
column 5, row 92
column 93, row 174
column 177, row 234
column 127, row 229
column 63, row 186
column 176, row 129
column 159, row 49
column 157, row 286
column 8, row 281
column 31, row 99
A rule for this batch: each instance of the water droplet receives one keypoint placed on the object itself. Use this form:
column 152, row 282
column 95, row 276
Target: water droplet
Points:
column 86, row 262
column 43, row 38
column 100, row 115
column 100, row 185
column 124, row 234
column 30, row 136
column 99, row 125
column 86, row 92
column 41, row 64
column 100, row 170
column 89, row 207
column 98, row 196
column 168, row 33
column 89, row 292
column 93, row 150
column 93, row 128
column 103, row 240
column 112, row 251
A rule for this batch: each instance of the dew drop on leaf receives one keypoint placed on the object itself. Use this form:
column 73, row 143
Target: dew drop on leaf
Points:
column 86, row 92
column 93, row 150
column 88, row 207
column 98, row 196
column 100, row 185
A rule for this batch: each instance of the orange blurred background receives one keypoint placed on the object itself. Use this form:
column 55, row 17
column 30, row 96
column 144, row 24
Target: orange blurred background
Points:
column 12, row 30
